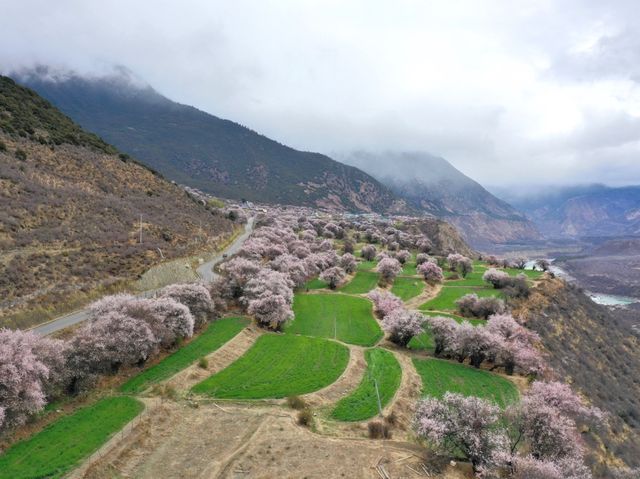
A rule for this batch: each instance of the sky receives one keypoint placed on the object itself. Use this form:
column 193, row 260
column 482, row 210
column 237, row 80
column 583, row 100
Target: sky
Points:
column 513, row 93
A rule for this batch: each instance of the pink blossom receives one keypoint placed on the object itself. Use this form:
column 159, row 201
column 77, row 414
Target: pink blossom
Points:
column 270, row 310
column 195, row 297
column 403, row 325
column 459, row 424
column 431, row 272
column 388, row 269
column 333, row 276
column 384, row 302
column 348, row 263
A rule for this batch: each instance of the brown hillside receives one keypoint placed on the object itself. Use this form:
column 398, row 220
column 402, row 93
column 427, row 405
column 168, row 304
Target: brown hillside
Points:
column 589, row 349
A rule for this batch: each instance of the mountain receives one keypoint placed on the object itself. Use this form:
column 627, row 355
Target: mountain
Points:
column 72, row 211
column 594, row 210
column 201, row 150
column 433, row 185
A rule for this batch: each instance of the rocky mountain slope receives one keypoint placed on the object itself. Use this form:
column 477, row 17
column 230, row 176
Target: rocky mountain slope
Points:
column 433, row 185
column 584, row 211
column 590, row 349
column 203, row 151
column 71, row 211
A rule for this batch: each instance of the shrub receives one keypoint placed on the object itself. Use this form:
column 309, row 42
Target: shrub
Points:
column 296, row 402
column 21, row 154
column 378, row 430
column 305, row 418
column 203, row 362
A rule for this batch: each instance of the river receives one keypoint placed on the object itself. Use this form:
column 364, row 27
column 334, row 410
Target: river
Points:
column 599, row 298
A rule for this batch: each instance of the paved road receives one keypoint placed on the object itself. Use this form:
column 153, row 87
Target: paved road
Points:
column 205, row 271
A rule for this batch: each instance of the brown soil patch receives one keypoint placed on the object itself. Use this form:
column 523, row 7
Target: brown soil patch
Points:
column 345, row 384
column 218, row 360
column 179, row 441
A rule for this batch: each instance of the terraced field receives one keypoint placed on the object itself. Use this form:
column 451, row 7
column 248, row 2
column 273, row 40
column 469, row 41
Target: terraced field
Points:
column 63, row 445
column 362, row 282
column 337, row 316
column 424, row 341
column 361, row 404
column 277, row 366
column 446, row 300
column 439, row 376
column 366, row 265
column 406, row 288
column 316, row 283
column 216, row 334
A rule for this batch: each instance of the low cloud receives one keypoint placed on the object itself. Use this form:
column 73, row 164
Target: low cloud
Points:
column 509, row 92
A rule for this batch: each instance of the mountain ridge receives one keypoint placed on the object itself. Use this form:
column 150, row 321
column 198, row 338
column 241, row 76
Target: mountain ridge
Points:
column 433, row 185
column 198, row 149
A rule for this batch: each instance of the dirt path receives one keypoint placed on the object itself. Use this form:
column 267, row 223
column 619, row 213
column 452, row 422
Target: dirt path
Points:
column 218, row 360
column 345, row 384
column 430, row 292
column 403, row 403
column 178, row 441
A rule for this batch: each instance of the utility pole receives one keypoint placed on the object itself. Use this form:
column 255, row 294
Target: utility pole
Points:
column 140, row 228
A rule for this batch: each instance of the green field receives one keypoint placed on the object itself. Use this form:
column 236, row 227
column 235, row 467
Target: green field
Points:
column 527, row 272
column 277, row 366
column 366, row 265
column 362, row 403
column 316, row 283
column 407, row 288
column 424, row 341
column 63, row 444
column 472, row 279
column 218, row 333
column 446, row 300
column 440, row 376
column 409, row 269
column 336, row 316
column 362, row 282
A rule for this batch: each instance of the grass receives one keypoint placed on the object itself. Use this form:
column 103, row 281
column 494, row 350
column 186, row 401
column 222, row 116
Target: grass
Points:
column 409, row 269
column 531, row 274
column 278, row 366
column 424, row 341
column 65, row 443
column 362, row 282
column 362, row 403
column 337, row 316
column 407, row 288
column 472, row 279
column 218, row 333
column 316, row 283
column 366, row 265
column 440, row 376
column 446, row 300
